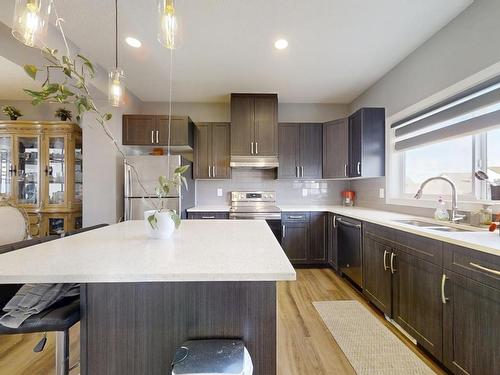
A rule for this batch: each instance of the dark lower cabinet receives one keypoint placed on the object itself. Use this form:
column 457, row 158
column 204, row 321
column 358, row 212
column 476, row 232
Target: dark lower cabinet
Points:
column 318, row 237
column 417, row 304
column 208, row 215
column 471, row 326
column 377, row 277
column 332, row 254
column 295, row 240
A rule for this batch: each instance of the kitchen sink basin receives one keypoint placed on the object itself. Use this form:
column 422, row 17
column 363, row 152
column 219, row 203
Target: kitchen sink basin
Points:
column 419, row 223
column 434, row 226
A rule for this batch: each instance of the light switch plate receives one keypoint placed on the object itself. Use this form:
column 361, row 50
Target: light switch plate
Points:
column 381, row 193
column 219, row 192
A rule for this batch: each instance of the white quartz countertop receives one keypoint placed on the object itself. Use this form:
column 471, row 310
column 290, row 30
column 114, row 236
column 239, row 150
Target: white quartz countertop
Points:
column 479, row 239
column 200, row 250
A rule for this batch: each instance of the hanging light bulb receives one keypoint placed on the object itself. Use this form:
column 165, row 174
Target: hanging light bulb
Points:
column 116, row 87
column 169, row 28
column 31, row 18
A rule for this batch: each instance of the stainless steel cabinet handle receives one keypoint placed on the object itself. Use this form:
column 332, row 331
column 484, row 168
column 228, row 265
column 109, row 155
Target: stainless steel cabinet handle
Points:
column 157, row 136
column 284, row 232
column 209, row 172
column 152, row 136
column 213, row 171
column 443, row 284
column 345, row 170
column 252, row 148
column 256, row 148
column 359, row 167
column 393, row 270
column 296, row 217
column 208, row 217
column 302, row 171
column 297, row 172
column 334, row 221
column 494, row 272
column 385, row 260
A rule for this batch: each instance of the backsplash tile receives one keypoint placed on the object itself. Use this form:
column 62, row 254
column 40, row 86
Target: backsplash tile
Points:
column 287, row 191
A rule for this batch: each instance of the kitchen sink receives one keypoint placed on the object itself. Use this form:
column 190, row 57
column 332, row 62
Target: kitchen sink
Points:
column 435, row 226
column 419, row 223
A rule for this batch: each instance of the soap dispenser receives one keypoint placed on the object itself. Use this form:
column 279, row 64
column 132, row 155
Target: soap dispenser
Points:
column 441, row 212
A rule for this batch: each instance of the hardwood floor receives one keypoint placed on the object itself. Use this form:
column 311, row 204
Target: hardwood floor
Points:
column 305, row 346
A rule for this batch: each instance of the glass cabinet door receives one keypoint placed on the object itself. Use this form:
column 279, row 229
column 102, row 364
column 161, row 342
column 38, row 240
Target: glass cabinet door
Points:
column 55, row 170
column 28, row 178
column 6, row 165
column 56, row 225
column 78, row 170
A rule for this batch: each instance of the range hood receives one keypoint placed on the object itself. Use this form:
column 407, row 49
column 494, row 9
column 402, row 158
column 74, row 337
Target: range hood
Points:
column 255, row 162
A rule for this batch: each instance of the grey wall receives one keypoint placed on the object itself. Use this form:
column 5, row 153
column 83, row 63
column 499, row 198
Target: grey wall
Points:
column 466, row 46
column 43, row 111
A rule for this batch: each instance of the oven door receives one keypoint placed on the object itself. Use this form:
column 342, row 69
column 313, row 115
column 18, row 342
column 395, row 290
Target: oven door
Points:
column 273, row 220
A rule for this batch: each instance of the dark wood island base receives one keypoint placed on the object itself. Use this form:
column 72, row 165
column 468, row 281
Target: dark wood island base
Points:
column 135, row 328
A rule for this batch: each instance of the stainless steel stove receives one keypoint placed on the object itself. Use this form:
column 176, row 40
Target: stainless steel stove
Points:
column 257, row 205
column 254, row 205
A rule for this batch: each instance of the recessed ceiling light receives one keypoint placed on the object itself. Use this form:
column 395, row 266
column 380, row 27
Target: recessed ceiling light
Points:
column 132, row 42
column 281, row 44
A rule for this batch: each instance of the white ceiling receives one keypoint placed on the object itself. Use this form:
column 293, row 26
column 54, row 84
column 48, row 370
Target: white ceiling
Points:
column 337, row 48
column 12, row 80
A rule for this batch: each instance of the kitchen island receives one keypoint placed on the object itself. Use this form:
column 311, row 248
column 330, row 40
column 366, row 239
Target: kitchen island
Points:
column 142, row 298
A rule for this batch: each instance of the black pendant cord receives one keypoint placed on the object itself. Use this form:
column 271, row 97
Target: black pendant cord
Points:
column 116, row 34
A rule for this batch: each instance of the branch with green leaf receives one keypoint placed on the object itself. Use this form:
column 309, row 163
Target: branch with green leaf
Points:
column 165, row 185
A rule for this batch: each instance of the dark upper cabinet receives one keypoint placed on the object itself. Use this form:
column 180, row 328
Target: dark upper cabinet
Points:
column 254, row 120
column 377, row 284
column 211, row 151
column 417, row 304
column 152, row 130
column 367, row 143
column 300, row 151
column 336, row 148
column 289, row 144
column 318, row 237
column 471, row 339
column 138, row 130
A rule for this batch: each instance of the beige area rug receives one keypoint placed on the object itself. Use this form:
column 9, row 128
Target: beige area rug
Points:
column 370, row 346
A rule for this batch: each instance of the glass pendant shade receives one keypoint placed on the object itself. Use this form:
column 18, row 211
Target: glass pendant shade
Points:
column 116, row 88
column 30, row 23
column 169, row 27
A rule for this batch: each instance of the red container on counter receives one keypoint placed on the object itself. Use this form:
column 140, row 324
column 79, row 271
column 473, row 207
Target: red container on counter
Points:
column 348, row 197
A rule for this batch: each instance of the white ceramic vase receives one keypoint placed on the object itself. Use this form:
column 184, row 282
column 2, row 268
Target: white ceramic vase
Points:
column 164, row 228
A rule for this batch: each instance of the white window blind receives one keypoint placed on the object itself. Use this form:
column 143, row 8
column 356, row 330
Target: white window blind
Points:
column 470, row 112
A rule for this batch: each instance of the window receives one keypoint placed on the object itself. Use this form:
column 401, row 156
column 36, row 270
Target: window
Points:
column 452, row 158
column 493, row 154
column 453, row 138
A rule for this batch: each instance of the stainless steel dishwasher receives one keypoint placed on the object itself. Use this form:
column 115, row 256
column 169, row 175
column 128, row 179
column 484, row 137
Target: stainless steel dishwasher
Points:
column 349, row 248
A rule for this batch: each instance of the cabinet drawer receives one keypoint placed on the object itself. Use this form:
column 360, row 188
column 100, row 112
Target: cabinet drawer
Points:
column 208, row 215
column 295, row 216
column 474, row 264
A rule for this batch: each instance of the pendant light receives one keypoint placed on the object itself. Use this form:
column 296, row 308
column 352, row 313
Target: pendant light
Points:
column 116, row 88
column 31, row 19
column 169, row 28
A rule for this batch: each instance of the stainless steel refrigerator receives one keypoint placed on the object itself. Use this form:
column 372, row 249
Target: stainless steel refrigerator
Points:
column 149, row 169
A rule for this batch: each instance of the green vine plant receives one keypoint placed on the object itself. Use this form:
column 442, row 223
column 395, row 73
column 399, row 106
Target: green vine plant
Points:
column 71, row 87
column 165, row 185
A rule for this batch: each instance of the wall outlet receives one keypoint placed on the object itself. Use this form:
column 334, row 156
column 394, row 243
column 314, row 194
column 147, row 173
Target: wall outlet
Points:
column 304, row 192
column 219, row 192
column 381, row 193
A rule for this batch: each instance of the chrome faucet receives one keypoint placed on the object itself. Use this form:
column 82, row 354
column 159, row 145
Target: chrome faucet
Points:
column 454, row 197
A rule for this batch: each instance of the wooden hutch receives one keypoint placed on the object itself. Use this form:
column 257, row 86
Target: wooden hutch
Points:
column 41, row 171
